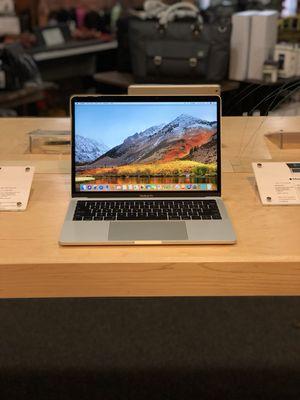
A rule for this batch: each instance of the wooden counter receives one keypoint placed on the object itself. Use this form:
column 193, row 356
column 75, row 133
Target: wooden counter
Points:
column 244, row 139
column 265, row 260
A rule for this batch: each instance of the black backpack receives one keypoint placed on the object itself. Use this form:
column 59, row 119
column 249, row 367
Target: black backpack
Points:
column 18, row 66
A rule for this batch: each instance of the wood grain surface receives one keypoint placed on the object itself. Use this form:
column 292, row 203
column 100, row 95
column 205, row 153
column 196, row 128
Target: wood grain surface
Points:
column 265, row 260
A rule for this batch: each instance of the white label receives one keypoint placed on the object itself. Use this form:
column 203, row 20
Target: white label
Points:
column 53, row 37
column 278, row 182
column 15, row 185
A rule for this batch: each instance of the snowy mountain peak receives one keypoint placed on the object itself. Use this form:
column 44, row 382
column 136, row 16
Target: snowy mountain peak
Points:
column 88, row 150
column 183, row 123
column 160, row 143
column 144, row 134
column 185, row 119
column 151, row 131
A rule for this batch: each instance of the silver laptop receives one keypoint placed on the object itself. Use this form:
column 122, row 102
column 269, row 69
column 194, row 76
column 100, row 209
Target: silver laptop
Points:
column 146, row 170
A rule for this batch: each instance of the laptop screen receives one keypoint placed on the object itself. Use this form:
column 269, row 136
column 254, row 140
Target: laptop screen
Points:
column 145, row 146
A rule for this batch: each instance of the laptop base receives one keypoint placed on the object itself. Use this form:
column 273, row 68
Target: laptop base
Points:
column 147, row 232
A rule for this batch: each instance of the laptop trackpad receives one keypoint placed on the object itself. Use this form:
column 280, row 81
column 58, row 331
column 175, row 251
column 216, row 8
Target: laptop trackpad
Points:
column 144, row 230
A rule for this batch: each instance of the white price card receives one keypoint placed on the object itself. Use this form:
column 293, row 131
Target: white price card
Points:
column 15, row 185
column 278, row 182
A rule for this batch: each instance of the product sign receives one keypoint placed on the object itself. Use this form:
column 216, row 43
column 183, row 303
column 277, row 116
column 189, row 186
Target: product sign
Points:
column 278, row 182
column 15, row 185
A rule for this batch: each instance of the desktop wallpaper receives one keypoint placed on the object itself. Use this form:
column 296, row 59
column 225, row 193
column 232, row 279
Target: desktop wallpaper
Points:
column 148, row 146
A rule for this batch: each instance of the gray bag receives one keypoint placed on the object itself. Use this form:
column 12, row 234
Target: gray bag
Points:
column 177, row 47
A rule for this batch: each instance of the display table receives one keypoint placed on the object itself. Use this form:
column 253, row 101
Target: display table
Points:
column 65, row 52
column 24, row 97
column 122, row 80
column 69, row 61
column 265, row 260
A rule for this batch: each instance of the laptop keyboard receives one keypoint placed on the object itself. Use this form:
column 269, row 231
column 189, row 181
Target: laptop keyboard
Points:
column 116, row 210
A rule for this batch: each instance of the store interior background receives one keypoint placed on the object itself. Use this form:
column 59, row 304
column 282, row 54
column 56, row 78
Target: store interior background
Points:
column 108, row 71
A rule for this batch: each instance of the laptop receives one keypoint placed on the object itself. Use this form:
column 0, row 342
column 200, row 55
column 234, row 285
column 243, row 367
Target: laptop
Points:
column 59, row 37
column 171, row 90
column 146, row 170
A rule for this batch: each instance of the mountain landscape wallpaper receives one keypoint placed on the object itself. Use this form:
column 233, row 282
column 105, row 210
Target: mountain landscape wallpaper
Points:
column 182, row 150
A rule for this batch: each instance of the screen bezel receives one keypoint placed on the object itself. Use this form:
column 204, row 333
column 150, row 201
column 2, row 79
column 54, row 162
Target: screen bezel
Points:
column 150, row 99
